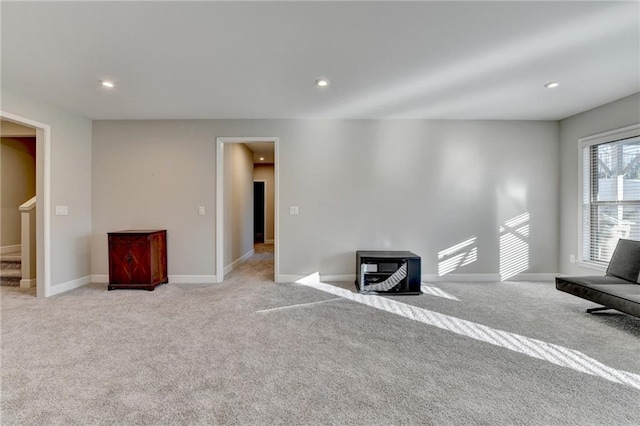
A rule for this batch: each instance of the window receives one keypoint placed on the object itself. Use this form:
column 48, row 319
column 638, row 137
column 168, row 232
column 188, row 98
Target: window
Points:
column 610, row 181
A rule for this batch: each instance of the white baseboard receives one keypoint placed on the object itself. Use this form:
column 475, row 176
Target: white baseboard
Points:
column 338, row 278
column 431, row 278
column 16, row 248
column 173, row 279
column 192, row 279
column 269, row 241
column 475, row 278
column 534, row 277
column 242, row 258
column 69, row 285
column 290, row 278
column 28, row 283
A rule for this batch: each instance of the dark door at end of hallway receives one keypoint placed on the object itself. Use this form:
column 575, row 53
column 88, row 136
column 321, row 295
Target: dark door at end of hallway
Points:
column 258, row 212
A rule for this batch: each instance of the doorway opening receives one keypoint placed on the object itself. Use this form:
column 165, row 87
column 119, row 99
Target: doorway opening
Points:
column 38, row 258
column 241, row 162
column 259, row 212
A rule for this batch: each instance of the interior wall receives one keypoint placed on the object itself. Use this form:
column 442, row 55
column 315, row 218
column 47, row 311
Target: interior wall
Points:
column 424, row 186
column 17, row 184
column 155, row 175
column 238, row 202
column 266, row 172
column 615, row 115
column 70, row 185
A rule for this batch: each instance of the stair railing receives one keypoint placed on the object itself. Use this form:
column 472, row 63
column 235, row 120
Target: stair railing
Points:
column 28, row 243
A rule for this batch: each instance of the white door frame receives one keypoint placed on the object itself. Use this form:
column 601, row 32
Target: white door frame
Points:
column 43, row 201
column 220, row 141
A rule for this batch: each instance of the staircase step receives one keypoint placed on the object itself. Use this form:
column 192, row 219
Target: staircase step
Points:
column 10, row 269
column 4, row 264
column 10, row 261
column 10, row 277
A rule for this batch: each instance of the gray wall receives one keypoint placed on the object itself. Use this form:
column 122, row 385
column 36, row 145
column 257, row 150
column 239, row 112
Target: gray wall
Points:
column 359, row 184
column 17, row 184
column 238, row 202
column 615, row 115
column 154, row 175
column 70, row 185
column 410, row 184
column 266, row 173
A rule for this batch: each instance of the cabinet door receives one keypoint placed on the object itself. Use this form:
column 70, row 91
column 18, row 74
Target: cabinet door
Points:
column 118, row 264
column 139, row 262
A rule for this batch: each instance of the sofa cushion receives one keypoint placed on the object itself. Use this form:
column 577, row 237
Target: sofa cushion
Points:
column 612, row 292
column 625, row 262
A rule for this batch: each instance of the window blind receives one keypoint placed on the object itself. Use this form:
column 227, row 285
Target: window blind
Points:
column 610, row 197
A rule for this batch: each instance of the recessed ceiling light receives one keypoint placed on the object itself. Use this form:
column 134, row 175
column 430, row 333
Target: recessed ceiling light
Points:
column 107, row 83
column 322, row 82
column 552, row 85
column 261, row 158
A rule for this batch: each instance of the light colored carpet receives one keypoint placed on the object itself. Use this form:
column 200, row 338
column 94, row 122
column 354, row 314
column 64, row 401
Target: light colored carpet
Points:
column 224, row 354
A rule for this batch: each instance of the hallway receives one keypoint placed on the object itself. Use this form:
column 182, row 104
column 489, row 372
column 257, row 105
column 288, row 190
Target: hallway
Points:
column 258, row 267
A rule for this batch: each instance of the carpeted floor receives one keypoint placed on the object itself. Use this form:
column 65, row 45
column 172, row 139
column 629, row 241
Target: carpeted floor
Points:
column 253, row 352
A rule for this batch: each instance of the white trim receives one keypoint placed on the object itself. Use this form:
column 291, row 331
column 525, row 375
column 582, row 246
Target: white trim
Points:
column 43, row 237
column 339, row 278
column 430, row 278
column 220, row 141
column 173, row 279
column 28, row 205
column 269, row 241
column 533, row 277
column 28, row 283
column 192, row 279
column 238, row 261
column 219, row 210
column 70, row 285
column 584, row 142
column 289, row 278
column 477, row 278
column 16, row 248
column 611, row 136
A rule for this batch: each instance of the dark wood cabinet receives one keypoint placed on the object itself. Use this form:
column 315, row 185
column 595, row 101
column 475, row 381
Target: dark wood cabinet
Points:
column 137, row 259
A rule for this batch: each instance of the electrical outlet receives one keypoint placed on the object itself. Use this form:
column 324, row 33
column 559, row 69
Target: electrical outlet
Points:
column 62, row 210
column 201, row 210
column 293, row 209
column 572, row 258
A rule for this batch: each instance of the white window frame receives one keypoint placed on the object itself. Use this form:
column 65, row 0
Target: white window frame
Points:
column 588, row 141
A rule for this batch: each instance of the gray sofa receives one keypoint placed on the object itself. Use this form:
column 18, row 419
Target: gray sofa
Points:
column 619, row 289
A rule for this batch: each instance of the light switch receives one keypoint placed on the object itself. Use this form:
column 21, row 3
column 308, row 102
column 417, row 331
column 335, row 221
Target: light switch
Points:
column 201, row 210
column 293, row 209
column 62, row 210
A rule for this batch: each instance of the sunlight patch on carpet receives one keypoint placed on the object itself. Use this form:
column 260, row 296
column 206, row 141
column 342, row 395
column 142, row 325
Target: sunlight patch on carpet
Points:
column 550, row 352
column 435, row 291
column 299, row 305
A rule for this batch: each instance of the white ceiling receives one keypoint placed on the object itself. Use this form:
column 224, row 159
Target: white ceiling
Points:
column 450, row 60
column 264, row 150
